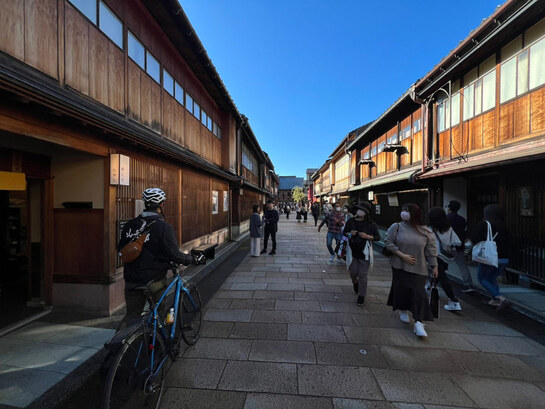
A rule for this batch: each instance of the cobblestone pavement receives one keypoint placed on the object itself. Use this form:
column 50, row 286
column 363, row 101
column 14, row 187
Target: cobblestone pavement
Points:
column 284, row 331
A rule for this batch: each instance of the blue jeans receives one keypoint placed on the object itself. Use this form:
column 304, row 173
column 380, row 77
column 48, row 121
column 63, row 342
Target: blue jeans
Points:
column 329, row 240
column 488, row 276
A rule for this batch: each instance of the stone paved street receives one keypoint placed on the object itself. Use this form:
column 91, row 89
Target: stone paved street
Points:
column 284, row 331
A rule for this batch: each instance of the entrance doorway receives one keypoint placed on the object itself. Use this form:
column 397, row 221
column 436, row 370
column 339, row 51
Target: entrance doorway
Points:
column 21, row 254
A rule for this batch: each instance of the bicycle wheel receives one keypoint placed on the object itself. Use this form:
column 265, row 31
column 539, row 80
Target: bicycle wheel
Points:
column 129, row 384
column 190, row 317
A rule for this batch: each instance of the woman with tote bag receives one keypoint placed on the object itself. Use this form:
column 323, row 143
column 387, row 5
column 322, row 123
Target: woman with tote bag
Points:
column 488, row 274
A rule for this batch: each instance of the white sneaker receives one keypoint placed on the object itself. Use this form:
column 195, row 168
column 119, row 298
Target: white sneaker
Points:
column 331, row 259
column 453, row 306
column 404, row 316
column 419, row 329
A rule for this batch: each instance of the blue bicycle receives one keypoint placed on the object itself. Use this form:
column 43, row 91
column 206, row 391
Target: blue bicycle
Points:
column 136, row 377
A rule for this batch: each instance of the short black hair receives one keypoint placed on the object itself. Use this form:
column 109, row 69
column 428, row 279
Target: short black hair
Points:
column 454, row 205
column 255, row 208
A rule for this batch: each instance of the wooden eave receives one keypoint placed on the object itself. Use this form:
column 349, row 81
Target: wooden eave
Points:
column 403, row 107
column 177, row 27
column 22, row 80
column 493, row 33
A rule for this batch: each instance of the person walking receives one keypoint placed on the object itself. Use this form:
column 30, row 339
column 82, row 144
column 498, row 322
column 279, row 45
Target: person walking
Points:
column 287, row 210
column 335, row 222
column 315, row 209
column 446, row 239
column 270, row 218
column 304, row 212
column 362, row 232
column 486, row 274
column 459, row 225
column 255, row 231
column 413, row 250
column 298, row 212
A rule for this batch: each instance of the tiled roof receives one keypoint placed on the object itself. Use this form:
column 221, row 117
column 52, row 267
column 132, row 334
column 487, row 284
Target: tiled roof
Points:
column 289, row 182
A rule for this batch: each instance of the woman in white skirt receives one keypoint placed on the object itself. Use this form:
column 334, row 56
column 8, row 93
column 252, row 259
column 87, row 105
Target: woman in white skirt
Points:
column 255, row 231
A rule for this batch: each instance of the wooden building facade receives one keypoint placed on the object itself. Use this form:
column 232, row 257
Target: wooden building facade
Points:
column 101, row 99
column 473, row 130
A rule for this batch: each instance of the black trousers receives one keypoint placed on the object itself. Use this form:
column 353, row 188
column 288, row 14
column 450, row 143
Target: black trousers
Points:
column 272, row 233
column 315, row 215
column 443, row 279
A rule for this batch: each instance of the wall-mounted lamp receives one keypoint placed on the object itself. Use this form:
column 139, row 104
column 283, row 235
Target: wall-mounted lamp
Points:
column 119, row 169
column 370, row 195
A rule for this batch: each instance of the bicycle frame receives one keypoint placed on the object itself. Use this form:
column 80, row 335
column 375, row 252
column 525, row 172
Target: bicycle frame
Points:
column 155, row 318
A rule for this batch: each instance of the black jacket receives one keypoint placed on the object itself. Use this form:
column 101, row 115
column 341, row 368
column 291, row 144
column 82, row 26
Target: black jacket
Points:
column 459, row 226
column 160, row 248
column 357, row 244
column 270, row 219
column 503, row 239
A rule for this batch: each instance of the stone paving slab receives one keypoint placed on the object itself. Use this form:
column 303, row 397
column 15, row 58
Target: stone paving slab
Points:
column 327, row 318
column 323, row 333
column 273, row 295
column 420, row 359
column 338, row 381
column 211, row 329
column 502, row 345
column 196, row 373
column 222, row 314
column 276, row 401
column 296, row 305
column 219, row 348
column 253, row 304
column 502, row 393
column 369, row 356
column 259, row 377
column 174, row 398
column 286, row 317
column 258, row 330
column 283, row 351
column 417, row 387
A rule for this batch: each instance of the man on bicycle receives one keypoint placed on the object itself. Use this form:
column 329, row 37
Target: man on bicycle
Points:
column 159, row 249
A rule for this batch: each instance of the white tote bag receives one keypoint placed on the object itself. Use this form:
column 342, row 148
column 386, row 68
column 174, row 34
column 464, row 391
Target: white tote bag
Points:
column 486, row 251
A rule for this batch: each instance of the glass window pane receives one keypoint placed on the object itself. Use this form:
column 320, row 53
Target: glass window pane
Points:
column 489, row 91
column 441, row 117
column 219, row 132
column 508, row 80
column 447, row 114
column 87, row 7
column 189, row 103
column 136, row 51
column 178, row 93
column 204, row 118
column 215, row 128
column 417, row 125
column 537, row 64
column 209, row 124
column 196, row 110
column 468, row 102
column 522, row 77
column 478, row 96
column 168, row 82
column 110, row 25
column 455, row 110
column 152, row 67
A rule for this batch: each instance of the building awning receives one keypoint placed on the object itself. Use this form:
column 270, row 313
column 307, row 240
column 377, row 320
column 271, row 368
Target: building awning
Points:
column 383, row 180
column 12, row 181
column 508, row 156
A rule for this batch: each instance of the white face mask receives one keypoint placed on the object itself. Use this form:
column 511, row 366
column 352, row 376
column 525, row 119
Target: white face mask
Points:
column 360, row 213
column 405, row 216
column 338, row 209
column 345, row 210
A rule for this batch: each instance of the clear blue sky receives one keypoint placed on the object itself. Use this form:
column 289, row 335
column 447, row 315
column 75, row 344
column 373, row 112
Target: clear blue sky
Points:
column 307, row 72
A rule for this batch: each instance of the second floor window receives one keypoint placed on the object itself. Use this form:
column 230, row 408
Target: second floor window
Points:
column 110, row 24
column 137, row 52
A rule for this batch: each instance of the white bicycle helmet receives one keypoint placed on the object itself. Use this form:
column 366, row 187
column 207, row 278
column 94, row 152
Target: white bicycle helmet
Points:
column 154, row 195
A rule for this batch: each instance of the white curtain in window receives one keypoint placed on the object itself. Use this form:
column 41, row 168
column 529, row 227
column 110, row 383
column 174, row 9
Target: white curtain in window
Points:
column 522, row 78
column 441, row 117
column 478, row 96
column 508, row 80
column 537, row 64
column 489, row 90
column 468, row 102
column 455, row 116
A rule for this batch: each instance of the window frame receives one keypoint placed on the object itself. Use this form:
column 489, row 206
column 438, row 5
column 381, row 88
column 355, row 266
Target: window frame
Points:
column 129, row 36
column 115, row 17
column 171, row 93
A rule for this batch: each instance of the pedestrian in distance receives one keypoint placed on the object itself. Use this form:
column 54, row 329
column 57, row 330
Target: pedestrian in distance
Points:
column 287, row 210
column 298, row 212
column 459, row 225
column 412, row 247
column 348, row 213
column 315, row 209
column 335, row 222
column 362, row 231
column 446, row 239
column 486, row 274
column 256, row 231
column 270, row 220
column 304, row 212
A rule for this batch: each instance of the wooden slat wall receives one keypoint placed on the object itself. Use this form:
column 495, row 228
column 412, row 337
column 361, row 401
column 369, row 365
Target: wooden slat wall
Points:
column 246, row 202
column 381, row 157
column 41, row 43
column 537, row 103
column 444, row 144
column 220, row 220
column 76, row 57
column 364, row 169
column 391, row 157
column 406, row 159
column 522, row 116
column 489, row 128
column 506, row 122
column 196, row 205
column 458, row 145
column 12, row 28
column 417, row 147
